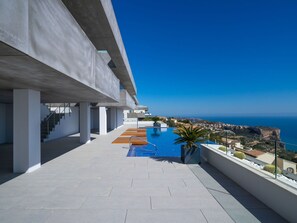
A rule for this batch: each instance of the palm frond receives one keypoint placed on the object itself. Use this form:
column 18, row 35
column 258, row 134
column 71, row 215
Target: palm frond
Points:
column 190, row 135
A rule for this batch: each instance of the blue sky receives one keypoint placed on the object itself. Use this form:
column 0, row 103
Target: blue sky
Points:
column 223, row 57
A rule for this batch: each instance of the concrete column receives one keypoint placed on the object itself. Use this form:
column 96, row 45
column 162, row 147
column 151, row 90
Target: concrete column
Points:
column 113, row 118
column 85, row 122
column 26, row 130
column 120, row 117
column 102, row 121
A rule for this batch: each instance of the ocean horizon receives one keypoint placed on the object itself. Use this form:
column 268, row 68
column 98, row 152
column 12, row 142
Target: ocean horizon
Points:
column 287, row 125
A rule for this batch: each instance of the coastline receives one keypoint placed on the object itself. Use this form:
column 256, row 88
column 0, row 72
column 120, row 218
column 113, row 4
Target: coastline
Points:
column 287, row 125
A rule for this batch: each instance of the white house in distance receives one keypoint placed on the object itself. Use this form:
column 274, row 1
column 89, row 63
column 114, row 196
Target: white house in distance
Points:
column 140, row 112
column 63, row 70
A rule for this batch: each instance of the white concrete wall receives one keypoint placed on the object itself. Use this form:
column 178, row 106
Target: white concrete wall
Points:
column 95, row 118
column 276, row 195
column 6, row 123
column 113, row 118
column 103, row 121
column 2, row 123
column 108, row 119
column 68, row 125
column 44, row 111
column 120, row 117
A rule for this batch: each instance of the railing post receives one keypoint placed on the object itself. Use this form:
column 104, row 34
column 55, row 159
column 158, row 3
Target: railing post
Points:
column 275, row 159
column 47, row 122
column 69, row 109
column 226, row 143
column 64, row 110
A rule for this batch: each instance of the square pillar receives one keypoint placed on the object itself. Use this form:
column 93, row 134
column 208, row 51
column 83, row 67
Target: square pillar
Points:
column 85, row 122
column 120, row 117
column 113, row 118
column 102, row 121
column 26, row 130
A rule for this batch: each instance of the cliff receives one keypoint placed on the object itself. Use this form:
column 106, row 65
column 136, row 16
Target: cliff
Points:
column 266, row 133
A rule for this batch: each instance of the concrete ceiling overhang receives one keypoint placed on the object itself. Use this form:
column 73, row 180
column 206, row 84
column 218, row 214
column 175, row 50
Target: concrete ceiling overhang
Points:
column 20, row 71
column 126, row 101
column 97, row 19
column 42, row 47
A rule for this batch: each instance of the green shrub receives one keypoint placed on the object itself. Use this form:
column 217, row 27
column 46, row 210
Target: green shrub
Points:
column 270, row 168
column 239, row 155
column 222, row 148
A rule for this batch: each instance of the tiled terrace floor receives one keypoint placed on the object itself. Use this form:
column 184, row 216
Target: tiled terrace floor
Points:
column 96, row 182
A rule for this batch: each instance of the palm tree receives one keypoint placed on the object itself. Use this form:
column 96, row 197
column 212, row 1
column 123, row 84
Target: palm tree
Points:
column 189, row 135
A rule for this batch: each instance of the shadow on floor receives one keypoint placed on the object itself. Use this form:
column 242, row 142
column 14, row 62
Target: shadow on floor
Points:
column 242, row 205
column 167, row 159
column 49, row 151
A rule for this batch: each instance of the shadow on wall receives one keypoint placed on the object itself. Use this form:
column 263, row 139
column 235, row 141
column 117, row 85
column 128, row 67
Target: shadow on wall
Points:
column 224, row 190
column 49, row 151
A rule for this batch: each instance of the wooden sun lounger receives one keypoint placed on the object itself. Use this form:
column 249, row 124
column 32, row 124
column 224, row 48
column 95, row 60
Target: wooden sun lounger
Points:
column 125, row 140
column 139, row 134
column 135, row 130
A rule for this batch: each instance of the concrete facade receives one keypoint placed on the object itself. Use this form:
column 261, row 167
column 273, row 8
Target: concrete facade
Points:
column 51, row 52
column 41, row 40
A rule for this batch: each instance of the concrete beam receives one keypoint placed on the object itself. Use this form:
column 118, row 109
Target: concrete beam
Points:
column 126, row 101
column 26, row 130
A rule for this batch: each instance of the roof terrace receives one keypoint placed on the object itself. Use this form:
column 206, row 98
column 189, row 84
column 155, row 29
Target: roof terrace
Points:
column 97, row 182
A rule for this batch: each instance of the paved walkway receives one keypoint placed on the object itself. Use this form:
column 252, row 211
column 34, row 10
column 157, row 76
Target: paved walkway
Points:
column 96, row 182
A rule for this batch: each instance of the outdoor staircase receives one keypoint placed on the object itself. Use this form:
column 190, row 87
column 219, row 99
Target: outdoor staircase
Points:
column 53, row 119
column 49, row 123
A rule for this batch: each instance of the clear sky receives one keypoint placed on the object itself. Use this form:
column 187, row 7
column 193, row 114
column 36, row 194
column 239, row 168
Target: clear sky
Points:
column 223, row 57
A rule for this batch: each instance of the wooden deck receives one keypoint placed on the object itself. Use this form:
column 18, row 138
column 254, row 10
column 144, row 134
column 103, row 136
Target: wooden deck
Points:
column 125, row 137
column 134, row 141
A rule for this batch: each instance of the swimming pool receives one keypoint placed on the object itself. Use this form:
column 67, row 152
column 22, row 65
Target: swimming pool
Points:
column 163, row 138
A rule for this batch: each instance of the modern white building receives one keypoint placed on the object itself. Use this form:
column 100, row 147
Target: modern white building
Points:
column 63, row 70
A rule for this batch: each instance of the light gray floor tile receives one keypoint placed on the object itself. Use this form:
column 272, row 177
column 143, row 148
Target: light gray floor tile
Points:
column 87, row 216
column 140, row 191
column 24, row 216
column 119, row 202
column 192, row 191
column 161, row 216
column 158, row 183
column 51, row 202
column 183, row 203
column 214, row 215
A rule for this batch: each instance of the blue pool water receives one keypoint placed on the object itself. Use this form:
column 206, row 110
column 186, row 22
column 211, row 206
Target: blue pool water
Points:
column 163, row 138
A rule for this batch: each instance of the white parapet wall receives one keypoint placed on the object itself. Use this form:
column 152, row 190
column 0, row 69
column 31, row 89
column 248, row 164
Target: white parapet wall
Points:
column 132, row 121
column 275, row 194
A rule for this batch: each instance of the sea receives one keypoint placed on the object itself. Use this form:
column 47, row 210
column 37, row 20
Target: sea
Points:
column 287, row 125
